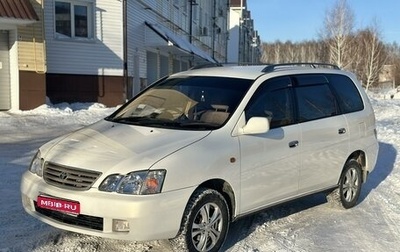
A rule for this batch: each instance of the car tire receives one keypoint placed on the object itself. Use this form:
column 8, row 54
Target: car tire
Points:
column 348, row 192
column 205, row 222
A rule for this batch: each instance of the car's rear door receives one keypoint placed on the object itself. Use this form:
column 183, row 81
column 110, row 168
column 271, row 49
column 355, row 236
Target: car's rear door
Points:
column 324, row 133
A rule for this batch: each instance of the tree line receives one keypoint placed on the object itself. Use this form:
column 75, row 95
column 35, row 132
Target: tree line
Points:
column 362, row 52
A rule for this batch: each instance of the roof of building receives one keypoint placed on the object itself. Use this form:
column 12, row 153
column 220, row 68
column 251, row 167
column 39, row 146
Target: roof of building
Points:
column 17, row 9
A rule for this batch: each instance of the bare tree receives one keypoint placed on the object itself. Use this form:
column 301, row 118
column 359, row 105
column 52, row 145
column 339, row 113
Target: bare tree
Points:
column 277, row 52
column 361, row 52
column 266, row 52
column 357, row 53
column 373, row 52
column 337, row 33
column 314, row 51
column 393, row 51
column 289, row 52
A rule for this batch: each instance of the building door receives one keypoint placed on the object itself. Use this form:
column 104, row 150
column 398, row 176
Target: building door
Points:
column 5, row 84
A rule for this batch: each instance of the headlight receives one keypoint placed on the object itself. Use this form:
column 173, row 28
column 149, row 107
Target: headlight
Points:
column 36, row 166
column 136, row 183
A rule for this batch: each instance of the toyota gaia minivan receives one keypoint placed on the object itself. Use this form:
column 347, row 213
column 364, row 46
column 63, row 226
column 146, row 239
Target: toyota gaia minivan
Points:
column 201, row 148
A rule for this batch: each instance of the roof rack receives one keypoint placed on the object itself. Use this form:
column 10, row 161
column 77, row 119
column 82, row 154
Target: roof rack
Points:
column 273, row 67
column 206, row 65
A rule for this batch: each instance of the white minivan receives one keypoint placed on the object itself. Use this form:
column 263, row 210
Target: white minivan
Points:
column 198, row 149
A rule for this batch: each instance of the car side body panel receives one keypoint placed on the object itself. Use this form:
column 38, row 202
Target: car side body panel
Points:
column 269, row 167
column 324, row 150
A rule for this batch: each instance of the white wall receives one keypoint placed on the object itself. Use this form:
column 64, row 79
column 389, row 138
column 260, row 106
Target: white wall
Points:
column 14, row 72
column 5, row 86
column 234, row 32
column 102, row 55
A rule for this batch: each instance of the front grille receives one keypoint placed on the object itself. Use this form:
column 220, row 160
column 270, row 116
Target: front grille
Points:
column 81, row 220
column 69, row 177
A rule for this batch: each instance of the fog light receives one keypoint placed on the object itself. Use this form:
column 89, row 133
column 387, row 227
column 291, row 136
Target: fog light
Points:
column 120, row 226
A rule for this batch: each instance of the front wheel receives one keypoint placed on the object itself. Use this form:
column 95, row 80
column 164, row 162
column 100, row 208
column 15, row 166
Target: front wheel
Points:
column 349, row 188
column 205, row 222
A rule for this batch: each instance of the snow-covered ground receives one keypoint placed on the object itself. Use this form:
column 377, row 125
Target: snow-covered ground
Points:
column 309, row 224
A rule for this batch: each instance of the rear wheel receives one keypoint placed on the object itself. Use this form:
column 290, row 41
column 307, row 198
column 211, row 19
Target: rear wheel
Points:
column 205, row 223
column 349, row 188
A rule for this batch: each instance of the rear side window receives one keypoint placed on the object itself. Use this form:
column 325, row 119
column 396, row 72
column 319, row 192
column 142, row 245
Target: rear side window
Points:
column 315, row 102
column 314, row 97
column 347, row 93
column 304, row 97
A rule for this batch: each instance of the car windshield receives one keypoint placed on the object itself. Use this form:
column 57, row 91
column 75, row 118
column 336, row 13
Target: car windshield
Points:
column 191, row 103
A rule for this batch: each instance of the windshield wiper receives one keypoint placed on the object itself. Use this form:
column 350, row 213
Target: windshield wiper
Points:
column 165, row 123
column 146, row 121
column 126, row 119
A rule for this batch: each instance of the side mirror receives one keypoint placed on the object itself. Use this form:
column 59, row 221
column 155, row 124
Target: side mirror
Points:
column 256, row 125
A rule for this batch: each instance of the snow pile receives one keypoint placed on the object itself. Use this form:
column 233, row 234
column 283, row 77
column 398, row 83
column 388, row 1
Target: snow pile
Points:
column 309, row 224
column 386, row 94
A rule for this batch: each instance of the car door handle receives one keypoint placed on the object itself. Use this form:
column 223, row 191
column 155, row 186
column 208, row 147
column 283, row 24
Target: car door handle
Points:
column 293, row 144
column 342, row 131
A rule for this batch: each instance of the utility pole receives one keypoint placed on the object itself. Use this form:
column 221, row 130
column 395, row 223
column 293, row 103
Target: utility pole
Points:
column 192, row 3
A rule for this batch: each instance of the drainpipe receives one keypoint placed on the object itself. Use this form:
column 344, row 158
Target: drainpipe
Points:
column 191, row 21
column 192, row 3
column 129, row 92
column 226, row 31
column 214, row 25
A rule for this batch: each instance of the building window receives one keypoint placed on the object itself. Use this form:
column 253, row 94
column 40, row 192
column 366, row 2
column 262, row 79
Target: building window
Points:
column 74, row 19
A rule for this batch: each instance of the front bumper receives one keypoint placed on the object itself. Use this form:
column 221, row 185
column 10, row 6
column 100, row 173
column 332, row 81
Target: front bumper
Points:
column 150, row 217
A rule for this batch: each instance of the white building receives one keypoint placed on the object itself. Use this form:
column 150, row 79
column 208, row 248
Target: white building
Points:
column 12, row 15
column 107, row 50
column 244, row 41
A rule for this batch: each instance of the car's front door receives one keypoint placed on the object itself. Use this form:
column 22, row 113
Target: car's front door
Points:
column 270, row 161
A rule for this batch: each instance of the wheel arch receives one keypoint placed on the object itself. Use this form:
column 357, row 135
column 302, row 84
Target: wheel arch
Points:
column 216, row 188
column 225, row 189
column 359, row 157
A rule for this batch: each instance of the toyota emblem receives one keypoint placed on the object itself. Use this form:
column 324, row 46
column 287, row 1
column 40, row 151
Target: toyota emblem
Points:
column 63, row 175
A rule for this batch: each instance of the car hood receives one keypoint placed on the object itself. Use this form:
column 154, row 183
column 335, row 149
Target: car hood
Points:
column 118, row 148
